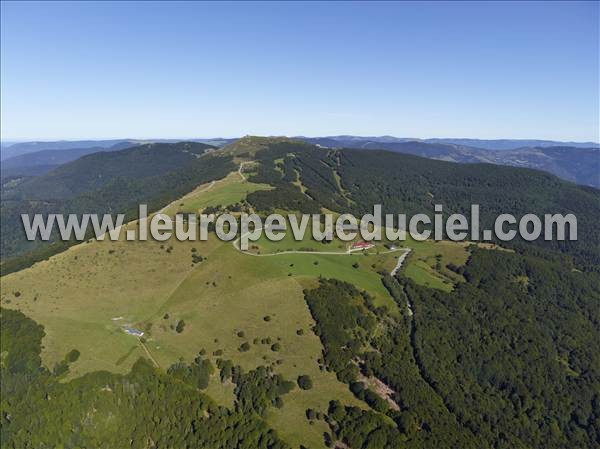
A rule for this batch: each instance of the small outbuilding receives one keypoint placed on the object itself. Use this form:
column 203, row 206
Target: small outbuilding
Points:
column 361, row 245
column 134, row 332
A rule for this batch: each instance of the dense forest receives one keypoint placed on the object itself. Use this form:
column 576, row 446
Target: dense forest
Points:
column 576, row 163
column 513, row 351
column 507, row 360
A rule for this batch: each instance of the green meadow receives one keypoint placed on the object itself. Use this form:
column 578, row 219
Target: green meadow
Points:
column 229, row 190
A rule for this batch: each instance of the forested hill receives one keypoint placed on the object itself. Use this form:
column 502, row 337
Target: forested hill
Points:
column 96, row 170
column 351, row 180
column 109, row 182
column 576, row 163
column 43, row 161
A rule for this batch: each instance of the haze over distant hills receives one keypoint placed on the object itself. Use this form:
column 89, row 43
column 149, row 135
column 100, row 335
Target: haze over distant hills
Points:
column 37, row 158
column 40, row 162
column 21, row 148
column 509, row 144
column 9, row 150
column 487, row 144
column 578, row 162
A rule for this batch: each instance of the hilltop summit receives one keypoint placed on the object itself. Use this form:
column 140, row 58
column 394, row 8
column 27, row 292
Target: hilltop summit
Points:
column 250, row 145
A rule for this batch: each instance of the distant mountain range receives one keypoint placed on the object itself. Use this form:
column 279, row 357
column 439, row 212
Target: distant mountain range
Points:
column 578, row 162
column 21, row 148
column 40, row 162
column 486, row 144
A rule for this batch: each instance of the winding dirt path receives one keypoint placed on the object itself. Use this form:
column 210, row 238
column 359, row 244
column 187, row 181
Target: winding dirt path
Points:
column 240, row 170
column 193, row 192
column 400, row 261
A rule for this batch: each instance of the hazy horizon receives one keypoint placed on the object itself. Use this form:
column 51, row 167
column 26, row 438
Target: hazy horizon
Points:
column 483, row 70
column 68, row 139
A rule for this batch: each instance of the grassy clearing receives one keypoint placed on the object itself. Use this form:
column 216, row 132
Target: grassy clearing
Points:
column 341, row 267
column 427, row 265
column 230, row 190
column 265, row 246
column 422, row 274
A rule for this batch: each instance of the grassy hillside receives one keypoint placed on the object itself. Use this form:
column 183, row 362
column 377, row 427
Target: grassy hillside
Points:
column 95, row 171
column 105, row 285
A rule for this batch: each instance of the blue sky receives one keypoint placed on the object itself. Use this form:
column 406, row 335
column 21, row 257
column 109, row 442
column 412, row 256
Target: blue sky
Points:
column 177, row 70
